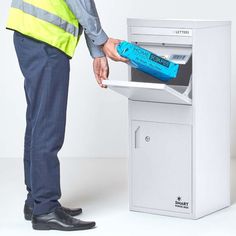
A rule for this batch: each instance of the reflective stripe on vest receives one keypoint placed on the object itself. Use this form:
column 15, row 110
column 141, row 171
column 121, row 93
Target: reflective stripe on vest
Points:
column 55, row 24
column 46, row 16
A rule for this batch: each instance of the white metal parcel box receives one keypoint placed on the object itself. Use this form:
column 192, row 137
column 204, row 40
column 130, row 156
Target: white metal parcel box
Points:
column 179, row 131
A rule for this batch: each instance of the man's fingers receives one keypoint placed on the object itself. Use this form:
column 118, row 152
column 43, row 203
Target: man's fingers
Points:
column 117, row 57
column 122, row 59
column 113, row 56
column 101, row 76
column 97, row 73
column 117, row 41
column 98, row 80
column 104, row 75
column 101, row 70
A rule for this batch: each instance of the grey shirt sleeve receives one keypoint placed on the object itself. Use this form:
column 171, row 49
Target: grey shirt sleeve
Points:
column 86, row 13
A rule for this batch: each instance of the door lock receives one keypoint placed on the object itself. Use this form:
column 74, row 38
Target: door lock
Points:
column 147, row 139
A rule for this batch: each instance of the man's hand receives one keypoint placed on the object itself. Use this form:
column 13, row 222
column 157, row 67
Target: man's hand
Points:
column 109, row 48
column 101, row 70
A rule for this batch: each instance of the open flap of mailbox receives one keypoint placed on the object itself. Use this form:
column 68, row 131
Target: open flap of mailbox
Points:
column 149, row 92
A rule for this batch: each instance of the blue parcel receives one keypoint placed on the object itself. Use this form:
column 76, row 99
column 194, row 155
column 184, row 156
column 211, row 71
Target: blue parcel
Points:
column 148, row 62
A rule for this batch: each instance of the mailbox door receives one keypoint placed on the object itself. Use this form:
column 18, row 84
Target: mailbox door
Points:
column 161, row 166
column 150, row 92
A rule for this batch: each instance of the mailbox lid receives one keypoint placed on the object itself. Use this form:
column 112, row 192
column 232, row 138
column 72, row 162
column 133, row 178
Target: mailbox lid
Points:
column 148, row 92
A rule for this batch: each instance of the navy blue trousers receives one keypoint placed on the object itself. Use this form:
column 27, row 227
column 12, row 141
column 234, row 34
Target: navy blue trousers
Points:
column 46, row 79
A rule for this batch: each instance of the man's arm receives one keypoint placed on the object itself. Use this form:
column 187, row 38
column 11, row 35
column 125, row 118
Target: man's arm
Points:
column 98, row 42
column 86, row 13
column 95, row 50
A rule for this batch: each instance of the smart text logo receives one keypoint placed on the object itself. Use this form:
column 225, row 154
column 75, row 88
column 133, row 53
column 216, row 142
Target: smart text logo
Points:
column 181, row 204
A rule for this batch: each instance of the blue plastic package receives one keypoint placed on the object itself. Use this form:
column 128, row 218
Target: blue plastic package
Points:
column 148, row 62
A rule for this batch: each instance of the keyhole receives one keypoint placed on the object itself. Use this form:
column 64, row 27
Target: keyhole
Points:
column 147, row 139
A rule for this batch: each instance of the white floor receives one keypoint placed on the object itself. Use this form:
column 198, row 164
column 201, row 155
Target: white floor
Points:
column 99, row 186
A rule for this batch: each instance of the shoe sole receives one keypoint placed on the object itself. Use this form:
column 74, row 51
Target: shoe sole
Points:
column 57, row 227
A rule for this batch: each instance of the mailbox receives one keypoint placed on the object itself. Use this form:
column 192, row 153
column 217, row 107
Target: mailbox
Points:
column 179, row 130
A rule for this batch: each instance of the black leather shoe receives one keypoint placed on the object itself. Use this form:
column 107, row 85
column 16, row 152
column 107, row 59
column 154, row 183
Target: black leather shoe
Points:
column 28, row 211
column 59, row 220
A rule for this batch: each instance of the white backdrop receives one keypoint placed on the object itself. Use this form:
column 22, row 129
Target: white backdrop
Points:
column 97, row 119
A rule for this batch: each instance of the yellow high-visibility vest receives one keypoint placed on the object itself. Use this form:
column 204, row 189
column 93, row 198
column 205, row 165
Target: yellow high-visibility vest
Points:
column 50, row 21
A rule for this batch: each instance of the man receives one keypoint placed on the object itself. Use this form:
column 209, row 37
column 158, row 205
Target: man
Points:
column 46, row 35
